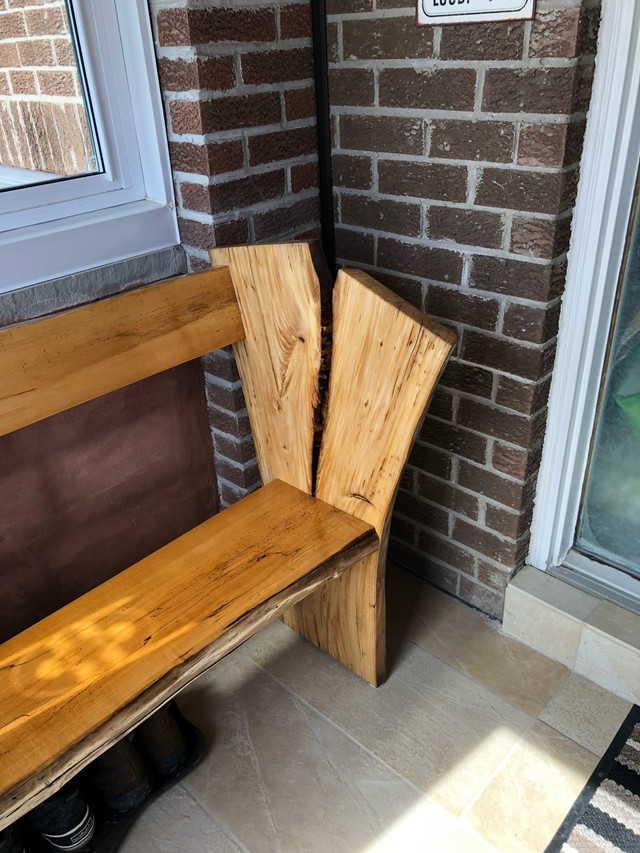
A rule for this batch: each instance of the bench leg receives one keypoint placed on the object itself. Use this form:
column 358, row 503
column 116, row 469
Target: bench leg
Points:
column 346, row 618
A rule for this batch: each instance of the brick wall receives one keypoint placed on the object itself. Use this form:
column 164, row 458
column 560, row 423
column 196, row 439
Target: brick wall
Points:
column 43, row 124
column 239, row 96
column 455, row 159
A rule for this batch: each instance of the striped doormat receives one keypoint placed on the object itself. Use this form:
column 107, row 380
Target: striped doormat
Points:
column 606, row 816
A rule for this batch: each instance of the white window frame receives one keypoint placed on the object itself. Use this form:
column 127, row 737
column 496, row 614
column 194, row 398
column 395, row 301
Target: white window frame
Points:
column 605, row 197
column 62, row 227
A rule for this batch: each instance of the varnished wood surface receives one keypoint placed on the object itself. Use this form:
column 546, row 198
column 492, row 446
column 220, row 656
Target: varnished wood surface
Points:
column 71, row 685
column 387, row 358
column 279, row 358
column 50, row 365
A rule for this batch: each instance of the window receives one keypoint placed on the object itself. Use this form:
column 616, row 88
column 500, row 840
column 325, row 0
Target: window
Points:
column 118, row 202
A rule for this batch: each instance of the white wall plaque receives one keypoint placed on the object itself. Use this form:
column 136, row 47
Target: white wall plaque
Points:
column 470, row 11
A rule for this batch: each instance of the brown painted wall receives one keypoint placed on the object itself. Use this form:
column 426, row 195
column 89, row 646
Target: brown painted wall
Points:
column 88, row 492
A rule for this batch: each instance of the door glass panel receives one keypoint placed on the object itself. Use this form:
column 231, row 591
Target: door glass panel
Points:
column 46, row 124
column 609, row 522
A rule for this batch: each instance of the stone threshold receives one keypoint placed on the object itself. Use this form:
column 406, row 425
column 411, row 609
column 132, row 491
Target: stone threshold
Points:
column 595, row 638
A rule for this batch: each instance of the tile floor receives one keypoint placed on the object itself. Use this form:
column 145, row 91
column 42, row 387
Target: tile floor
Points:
column 475, row 744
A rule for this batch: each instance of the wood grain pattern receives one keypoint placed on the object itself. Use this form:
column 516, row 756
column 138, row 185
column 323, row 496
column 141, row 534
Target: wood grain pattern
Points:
column 387, row 359
column 74, row 683
column 53, row 364
column 279, row 357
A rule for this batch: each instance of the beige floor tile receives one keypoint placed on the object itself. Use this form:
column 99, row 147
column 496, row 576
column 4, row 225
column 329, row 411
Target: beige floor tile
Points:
column 472, row 644
column 438, row 728
column 427, row 828
column 528, row 798
column 610, row 663
column 586, row 713
column 177, row 823
column 281, row 777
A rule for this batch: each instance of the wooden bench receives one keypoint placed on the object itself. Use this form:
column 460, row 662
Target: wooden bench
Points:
column 77, row 681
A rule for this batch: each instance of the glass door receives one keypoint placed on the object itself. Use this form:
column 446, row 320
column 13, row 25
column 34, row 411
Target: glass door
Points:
column 608, row 528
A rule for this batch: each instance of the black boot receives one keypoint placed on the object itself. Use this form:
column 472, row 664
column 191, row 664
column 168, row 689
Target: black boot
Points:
column 119, row 778
column 64, row 820
column 162, row 741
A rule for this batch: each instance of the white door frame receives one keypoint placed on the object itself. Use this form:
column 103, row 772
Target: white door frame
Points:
column 603, row 206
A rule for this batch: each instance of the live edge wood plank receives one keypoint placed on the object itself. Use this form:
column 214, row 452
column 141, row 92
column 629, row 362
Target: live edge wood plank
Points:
column 53, row 364
column 73, row 684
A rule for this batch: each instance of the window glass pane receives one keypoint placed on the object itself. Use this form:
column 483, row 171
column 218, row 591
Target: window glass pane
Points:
column 609, row 524
column 46, row 126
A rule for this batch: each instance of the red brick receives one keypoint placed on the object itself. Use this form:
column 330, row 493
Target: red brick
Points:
column 240, row 451
column 282, row 145
column 403, row 530
column 522, row 396
column 473, row 140
column 517, row 463
column 483, row 482
column 282, row 221
column 200, row 26
column 588, row 31
column 351, row 87
column 23, row 82
column 555, row 33
column 186, row 117
column 513, row 277
column 424, row 567
column 382, row 133
column 210, row 159
column 529, row 323
column 438, row 181
column 467, row 378
column 300, row 103
column 352, row 171
column 240, row 111
column 501, row 354
column 491, row 575
column 429, row 459
column 451, row 304
column 304, row 176
column 441, row 405
column 530, row 90
column 248, row 190
column 233, row 424
column 173, row 27
column 425, row 514
column 418, row 259
column 12, row 25
column 386, row 38
column 382, row 215
column 215, row 73
column 456, row 440
column 447, row 88
column 277, row 66
column 333, row 45
column 542, row 145
column 484, row 541
column 226, row 397
column 46, row 22
column 64, row 51
column 339, row 7
column 35, row 52
column 355, row 247
column 9, row 56
column 231, row 233
column 471, row 227
column 4, row 86
column 295, row 21
column 446, row 550
column 58, row 83
column 243, row 476
column 540, row 238
column 448, row 496
column 195, row 197
column 516, row 189
column 222, row 364
column 409, row 289
column 196, row 233
column 485, row 42
column 486, row 418
column 511, row 524
column 481, row 598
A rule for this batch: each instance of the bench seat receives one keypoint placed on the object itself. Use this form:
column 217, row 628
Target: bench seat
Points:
column 77, row 681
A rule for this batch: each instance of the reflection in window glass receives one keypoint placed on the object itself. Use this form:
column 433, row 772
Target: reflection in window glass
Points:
column 45, row 118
